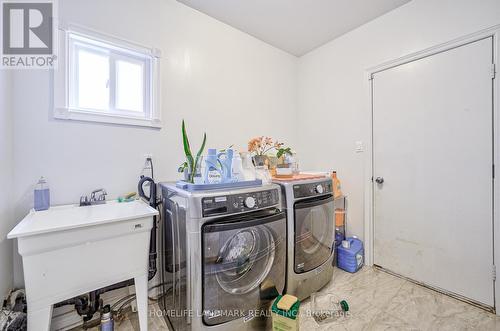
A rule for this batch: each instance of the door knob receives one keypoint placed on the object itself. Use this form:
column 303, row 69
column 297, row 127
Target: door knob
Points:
column 379, row 180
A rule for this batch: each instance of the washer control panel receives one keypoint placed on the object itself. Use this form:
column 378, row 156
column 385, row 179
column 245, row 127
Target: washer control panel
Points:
column 312, row 189
column 238, row 203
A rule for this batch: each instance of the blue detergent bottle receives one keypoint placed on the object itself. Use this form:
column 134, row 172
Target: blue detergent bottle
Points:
column 213, row 174
column 350, row 255
column 226, row 159
column 42, row 195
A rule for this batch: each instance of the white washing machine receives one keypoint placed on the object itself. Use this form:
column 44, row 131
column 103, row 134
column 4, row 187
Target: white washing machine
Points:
column 224, row 257
column 311, row 234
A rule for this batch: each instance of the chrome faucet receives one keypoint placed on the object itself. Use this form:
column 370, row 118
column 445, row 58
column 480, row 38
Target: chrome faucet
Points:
column 101, row 198
column 95, row 198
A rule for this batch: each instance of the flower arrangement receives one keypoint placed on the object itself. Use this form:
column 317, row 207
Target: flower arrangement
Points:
column 260, row 148
column 262, row 145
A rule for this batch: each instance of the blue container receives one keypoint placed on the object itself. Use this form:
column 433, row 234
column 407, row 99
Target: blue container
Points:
column 213, row 174
column 226, row 161
column 42, row 195
column 351, row 259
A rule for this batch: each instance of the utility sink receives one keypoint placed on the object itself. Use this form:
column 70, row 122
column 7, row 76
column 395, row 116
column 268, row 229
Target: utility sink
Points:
column 70, row 250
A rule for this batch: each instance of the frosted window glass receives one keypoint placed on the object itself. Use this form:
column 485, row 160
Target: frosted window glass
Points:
column 93, row 80
column 129, row 86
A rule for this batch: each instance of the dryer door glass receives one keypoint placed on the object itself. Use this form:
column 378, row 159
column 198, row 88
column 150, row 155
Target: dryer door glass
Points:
column 240, row 256
column 314, row 233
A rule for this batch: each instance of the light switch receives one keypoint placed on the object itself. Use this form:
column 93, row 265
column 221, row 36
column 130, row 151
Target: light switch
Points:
column 359, row 146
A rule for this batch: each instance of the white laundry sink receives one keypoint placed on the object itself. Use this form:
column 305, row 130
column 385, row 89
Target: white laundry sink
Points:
column 70, row 250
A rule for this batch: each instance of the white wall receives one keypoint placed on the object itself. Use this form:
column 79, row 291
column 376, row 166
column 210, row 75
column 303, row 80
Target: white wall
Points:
column 218, row 79
column 333, row 90
column 6, row 173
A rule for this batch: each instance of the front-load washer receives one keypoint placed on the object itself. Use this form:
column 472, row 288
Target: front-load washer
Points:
column 311, row 231
column 224, row 257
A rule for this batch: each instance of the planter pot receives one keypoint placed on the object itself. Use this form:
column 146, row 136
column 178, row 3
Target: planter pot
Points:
column 273, row 162
column 188, row 172
column 259, row 160
column 186, row 175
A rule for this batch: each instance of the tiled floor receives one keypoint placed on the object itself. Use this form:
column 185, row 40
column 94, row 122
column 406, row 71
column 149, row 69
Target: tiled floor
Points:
column 379, row 301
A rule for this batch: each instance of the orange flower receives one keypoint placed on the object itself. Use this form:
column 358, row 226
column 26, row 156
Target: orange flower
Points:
column 262, row 145
column 254, row 144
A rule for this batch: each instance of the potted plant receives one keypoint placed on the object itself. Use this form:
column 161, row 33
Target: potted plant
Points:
column 286, row 165
column 284, row 154
column 191, row 165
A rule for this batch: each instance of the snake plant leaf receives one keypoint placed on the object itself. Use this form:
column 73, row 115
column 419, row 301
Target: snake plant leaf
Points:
column 198, row 155
column 187, row 148
column 200, row 151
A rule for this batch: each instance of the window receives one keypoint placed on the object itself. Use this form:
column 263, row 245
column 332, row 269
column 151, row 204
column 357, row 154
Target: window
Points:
column 103, row 79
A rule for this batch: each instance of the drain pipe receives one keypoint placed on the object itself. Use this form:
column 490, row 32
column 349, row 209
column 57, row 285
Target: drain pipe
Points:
column 152, row 252
column 85, row 306
column 153, row 202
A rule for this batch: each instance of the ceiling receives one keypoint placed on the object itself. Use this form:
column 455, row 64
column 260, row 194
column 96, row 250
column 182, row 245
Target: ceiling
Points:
column 295, row 26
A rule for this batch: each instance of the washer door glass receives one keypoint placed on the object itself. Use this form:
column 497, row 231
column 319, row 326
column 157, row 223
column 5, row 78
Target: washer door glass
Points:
column 314, row 233
column 243, row 261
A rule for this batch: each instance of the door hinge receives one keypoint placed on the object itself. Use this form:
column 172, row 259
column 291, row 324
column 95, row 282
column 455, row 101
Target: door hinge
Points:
column 493, row 71
column 494, row 273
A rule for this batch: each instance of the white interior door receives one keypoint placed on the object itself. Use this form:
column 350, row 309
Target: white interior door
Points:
column 433, row 147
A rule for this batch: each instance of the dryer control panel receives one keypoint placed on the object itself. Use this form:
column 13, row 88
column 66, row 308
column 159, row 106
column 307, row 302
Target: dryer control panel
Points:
column 238, row 203
column 312, row 189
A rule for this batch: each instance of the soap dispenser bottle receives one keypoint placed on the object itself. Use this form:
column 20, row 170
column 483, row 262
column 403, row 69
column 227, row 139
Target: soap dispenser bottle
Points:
column 42, row 195
column 237, row 168
column 248, row 167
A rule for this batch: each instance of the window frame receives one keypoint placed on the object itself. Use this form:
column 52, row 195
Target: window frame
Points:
column 75, row 38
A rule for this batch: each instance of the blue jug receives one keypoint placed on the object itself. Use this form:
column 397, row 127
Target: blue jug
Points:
column 227, row 162
column 212, row 174
column 351, row 259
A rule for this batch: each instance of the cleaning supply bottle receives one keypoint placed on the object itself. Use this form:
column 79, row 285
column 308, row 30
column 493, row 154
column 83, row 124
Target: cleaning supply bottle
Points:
column 285, row 313
column 337, row 193
column 237, row 168
column 107, row 323
column 226, row 159
column 42, row 195
column 212, row 174
column 248, row 167
column 350, row 254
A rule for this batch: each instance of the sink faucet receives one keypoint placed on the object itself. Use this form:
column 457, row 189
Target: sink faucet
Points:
column 97, row 197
